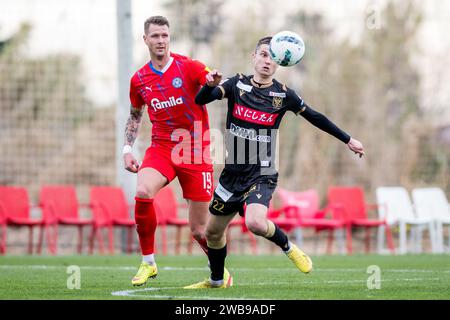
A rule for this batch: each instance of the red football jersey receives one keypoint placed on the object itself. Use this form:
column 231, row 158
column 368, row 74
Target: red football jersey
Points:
column 169, row 95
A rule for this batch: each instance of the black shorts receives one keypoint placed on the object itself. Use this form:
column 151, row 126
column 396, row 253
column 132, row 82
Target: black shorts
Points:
column 226, row 202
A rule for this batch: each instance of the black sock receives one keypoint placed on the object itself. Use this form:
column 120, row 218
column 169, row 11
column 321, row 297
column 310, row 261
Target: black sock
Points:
column 217, row 262
column 280, row 239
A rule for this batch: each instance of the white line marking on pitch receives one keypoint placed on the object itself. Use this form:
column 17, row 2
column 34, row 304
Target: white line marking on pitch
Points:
column 134, row 293
column 170, row 268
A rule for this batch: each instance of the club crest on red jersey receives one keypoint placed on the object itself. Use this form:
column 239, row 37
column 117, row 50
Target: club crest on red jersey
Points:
column 177, row 82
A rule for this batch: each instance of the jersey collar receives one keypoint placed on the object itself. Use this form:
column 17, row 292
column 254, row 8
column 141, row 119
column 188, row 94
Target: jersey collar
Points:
column 261, row 86
column 167, row 66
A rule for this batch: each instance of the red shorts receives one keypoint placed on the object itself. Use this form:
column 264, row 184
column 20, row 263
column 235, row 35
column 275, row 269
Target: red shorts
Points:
column 196, row 180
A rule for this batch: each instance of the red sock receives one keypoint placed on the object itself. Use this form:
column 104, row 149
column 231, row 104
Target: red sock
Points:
column 145, row 217
column 203, row 245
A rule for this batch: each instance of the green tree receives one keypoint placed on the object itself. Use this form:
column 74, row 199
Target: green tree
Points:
column 48, row 127
column 371, row 89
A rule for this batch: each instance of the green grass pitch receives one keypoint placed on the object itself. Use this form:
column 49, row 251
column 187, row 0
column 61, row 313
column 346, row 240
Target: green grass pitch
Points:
column 255, row 277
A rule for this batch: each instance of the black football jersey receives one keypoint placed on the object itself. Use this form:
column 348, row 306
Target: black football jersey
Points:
column 254, row 116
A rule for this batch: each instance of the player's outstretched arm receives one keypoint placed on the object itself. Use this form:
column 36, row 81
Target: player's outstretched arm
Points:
column 210, row 92
column 322, row 122
column 131, row 132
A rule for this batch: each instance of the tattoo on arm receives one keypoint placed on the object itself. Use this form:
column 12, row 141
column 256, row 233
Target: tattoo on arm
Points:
column 132, row 126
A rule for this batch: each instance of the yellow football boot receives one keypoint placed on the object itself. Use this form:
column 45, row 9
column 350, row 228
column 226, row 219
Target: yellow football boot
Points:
column 300, row 259
column 206, row 284
column 145, row 271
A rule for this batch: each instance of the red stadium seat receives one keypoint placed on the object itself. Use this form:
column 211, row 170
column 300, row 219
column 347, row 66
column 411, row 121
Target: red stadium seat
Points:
column 110, row 208
column 304, row 209
column 283, row 217
column 60, row 207
column 351, row 209
column 166, row 207
column 2, row 232
column 15, row 211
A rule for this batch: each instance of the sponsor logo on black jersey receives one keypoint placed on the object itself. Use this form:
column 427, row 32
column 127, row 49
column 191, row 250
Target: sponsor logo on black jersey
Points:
column 244, row 87
column 254, row 116
column 249, row 134
column 277, row 94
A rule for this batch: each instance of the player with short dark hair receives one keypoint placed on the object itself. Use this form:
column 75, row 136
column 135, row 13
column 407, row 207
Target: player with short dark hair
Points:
column 156, row 20
column 167, row 84
column 256, row 106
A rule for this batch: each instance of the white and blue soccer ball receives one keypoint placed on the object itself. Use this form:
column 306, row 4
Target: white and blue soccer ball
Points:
column 286, row 48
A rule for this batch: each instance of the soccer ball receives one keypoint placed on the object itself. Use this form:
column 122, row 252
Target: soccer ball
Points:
column 286, row 48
